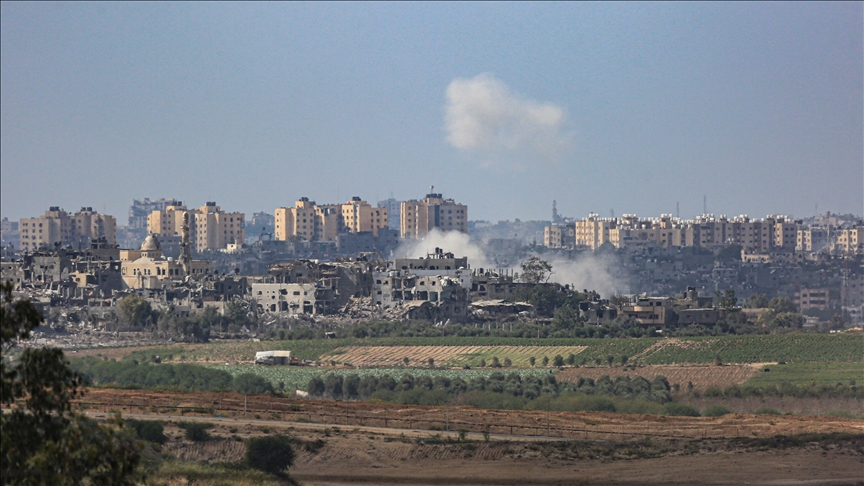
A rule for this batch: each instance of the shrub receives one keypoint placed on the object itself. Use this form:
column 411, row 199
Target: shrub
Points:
column 767, row 411
column 272, row 454
column 149, row 430
column 250, row 383
column 716, row 411
column 196, row 431
column 680, row 410
column 558, row 361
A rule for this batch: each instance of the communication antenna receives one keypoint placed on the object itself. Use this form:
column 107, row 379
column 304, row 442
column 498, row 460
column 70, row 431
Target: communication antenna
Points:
column 704, row 204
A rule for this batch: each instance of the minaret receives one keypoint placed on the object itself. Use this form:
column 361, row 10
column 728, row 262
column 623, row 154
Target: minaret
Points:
column 554, row 211
column 185, row 245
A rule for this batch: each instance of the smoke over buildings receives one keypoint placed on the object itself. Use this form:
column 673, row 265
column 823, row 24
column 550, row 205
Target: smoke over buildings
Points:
column 484, row 116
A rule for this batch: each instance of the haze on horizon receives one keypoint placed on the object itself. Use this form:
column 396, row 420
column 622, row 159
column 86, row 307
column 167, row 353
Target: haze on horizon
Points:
column 503, row 107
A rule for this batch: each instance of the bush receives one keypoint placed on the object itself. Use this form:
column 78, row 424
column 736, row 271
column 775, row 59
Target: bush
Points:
column 272, row 454
column 250, row 383
column 149, row 430
column 767, row 411
column 196, row 431
column 679, row 410
column 716, row 411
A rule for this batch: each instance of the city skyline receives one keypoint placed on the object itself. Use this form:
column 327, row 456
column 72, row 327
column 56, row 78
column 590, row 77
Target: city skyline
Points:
column 504, row 107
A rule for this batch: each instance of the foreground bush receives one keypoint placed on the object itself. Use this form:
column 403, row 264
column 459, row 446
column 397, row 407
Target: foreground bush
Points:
column 716, row 411
column 272, row 454
column 149, row 430
column 196, row 431
column 680, row 410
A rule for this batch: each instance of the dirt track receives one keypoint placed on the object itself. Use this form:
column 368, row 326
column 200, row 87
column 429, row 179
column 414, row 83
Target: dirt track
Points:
column 371, row 444
column 572, row 425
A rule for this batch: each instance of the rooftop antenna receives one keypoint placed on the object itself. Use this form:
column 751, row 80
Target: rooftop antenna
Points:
column 704, row 204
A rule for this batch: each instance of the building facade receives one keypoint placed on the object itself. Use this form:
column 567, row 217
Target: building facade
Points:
column 418, row 218
column 210, row 228
column 309, row 221
column 58, row 226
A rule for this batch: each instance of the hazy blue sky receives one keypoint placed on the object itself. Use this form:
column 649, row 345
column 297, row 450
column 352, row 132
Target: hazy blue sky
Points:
column 504, row 107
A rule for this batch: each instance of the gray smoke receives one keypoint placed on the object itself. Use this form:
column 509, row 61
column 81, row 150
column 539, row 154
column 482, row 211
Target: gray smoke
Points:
column 484, row 116
column 588, row 271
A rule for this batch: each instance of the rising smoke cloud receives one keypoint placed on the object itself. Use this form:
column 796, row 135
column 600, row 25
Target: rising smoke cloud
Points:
column 484, row 116
column 588, row 271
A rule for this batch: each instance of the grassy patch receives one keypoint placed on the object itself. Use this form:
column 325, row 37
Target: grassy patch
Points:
column 806, row 373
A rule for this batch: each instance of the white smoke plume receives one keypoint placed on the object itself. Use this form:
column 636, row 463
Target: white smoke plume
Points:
column 451, row 241
column 589, row 271
column 485, row 116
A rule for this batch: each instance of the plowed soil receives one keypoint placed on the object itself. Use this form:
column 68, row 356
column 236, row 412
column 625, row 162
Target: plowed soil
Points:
column 701, row 376
column 445, row 355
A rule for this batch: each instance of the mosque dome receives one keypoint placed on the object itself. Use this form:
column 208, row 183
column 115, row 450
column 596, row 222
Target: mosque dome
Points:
column 151, row 243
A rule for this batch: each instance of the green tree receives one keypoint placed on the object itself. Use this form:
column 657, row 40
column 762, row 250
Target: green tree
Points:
column 272, row 454
column 495, row 362
column 532, row 360
column 535, row 270
column 545, row 360
column 507, row 363
column 757, row 301
column 42, row 441
column 135, row 311
column 558, row 360
column 726, row 299
column 250, row 383
column 196, row 431
column 571, row 359
column 782, row 305
column 610, row 359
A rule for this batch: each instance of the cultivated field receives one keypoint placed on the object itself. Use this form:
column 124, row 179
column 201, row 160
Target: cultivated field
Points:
column 792, row 348
column 701, row 376
column 446, row 355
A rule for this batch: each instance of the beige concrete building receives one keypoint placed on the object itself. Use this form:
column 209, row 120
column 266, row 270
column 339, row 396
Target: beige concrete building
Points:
column 310, row 221
column 210, row 227
column 359, row 216
column 812, row 239
column 594, row 231
column 58, row 226
column 418, row 218
column 812, row 299
column 147, row 268
column 849, row 241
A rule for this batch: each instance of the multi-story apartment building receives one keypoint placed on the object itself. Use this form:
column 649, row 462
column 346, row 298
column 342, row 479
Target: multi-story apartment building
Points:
column 210, row 227
column 310, row 221
column 774, row 233
column 394, row 210
column 141, row 209
column 812, row 239
column 849, row 240
column 594, row 231
column 359, row 216
column 58, row 226
column 418, row 218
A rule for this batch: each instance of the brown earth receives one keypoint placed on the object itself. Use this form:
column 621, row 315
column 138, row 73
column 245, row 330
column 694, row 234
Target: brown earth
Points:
column 365, row 455
column 451, row 355
column 701, row 376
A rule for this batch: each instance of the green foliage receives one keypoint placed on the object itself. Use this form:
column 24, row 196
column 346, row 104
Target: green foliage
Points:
column 129, row 374
column 535, row 271
column 558, row 360
column 149, row 430
column 135, row 311
column 196, row 431
column 767, row 411
column 250, row 383
column 680, row 409
column 42, row 441
column 716, row 411
column 726, row 299
column 272, row 454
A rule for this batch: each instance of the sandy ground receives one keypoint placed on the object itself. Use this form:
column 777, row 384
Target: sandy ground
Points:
column 657, row 450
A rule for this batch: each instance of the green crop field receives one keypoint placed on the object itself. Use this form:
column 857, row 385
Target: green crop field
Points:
column 297, row 377
column 807, row 373
column 793, row 348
